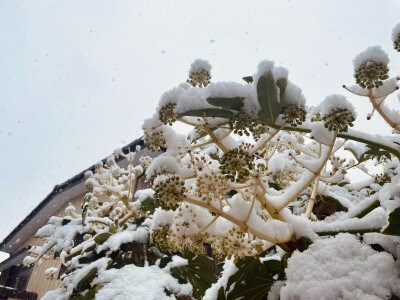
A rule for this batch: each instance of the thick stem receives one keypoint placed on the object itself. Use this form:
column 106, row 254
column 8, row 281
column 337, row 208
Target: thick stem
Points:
column 312, row 198
column 243, row 226
column 378, row 108
column 215, row 139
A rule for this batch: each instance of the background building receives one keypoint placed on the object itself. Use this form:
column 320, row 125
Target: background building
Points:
column 19, row 282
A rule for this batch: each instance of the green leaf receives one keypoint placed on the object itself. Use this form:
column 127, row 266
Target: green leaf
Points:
column 65, row 221
column 85, row 282
column 148, row 205
column 102, row 237
column 235, row 103
column 253, row 280
column 89, row 249
column 248, row 79
column 339, row 205
column 281, row 83
column 394, row 223
column 355, row 231
column 208, row 112
column 268, row 98
column 85, row 206
column 374, row 152
column 89, row 295
column 197, row 272
column 370, row 208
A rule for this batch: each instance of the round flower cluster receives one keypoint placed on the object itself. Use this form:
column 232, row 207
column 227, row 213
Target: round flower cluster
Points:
column 211, row 186
column 381, row 179
column 396, row 43
column 160, row 238
column 338, row 119
column 237, row 243
column 167, row 115
column 294, row 115
column 154, row 139
column 236, row 164
column 241, row 123
column 194, row 243
column 168, row 190
column 258, row 131
column 145, row 161
column 201, row 78
column 370, row 74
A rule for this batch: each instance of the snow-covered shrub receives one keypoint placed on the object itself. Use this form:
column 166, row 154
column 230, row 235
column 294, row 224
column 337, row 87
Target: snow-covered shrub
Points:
column 257, row 184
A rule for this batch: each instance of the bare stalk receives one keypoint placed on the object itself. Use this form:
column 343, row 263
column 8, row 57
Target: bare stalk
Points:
column 313, row 177
column 312, row 198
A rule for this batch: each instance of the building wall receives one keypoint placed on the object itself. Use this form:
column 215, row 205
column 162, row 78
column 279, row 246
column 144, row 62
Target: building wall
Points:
column 38, row 282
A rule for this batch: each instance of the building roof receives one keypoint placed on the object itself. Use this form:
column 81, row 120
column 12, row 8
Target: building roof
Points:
column 60, row 194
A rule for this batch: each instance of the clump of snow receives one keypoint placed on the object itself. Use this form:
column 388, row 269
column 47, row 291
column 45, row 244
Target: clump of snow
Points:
column 132, row 282
column 340, row 268
column 374, row 53
column 294, row 95
column 336, row 101
column 162, row 164
column 142, row 195
column 229, row 269
column 266, row 66
column 320, row 133
column 396, row 32
column 162, row 218
column 140, row 235
column 50, row 272
column 200, row 64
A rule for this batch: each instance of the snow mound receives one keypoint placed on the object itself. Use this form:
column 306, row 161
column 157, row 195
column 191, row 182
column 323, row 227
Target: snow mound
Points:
column 374, row 53
column 340, row 268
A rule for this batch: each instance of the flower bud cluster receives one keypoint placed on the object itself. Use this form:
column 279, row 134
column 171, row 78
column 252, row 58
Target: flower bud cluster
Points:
column 167, row 115
column 194, row 243
column 242, row 123
column 259, row 130
column 200, row 78
column 160, row 238
column 338, row 119
column 382, row 178
column 211, row 185
column 294, row 114
column 371, row 74
column 237, row 163
column 145, row 161
column 168, row 190
column 237, row 243
column 153, row 139
column 396, row 44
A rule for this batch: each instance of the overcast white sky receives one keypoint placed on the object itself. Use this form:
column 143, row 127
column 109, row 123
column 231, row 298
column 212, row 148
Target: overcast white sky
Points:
column 77, row 78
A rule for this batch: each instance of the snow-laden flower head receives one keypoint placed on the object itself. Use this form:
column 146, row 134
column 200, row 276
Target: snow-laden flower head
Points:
column 200, row 73
column 371, row 67
column 396, row 37
column 337, row 113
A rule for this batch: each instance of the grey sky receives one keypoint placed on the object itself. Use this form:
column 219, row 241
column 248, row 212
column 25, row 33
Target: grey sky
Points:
column 77, row 78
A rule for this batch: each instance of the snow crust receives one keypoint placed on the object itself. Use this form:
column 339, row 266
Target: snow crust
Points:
column 138, row 283
column 374, row 53
column 340, row 268
column 336, row 101
column 200, row 64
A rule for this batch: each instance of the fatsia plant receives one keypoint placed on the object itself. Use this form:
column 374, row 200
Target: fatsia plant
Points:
column 260, row 183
